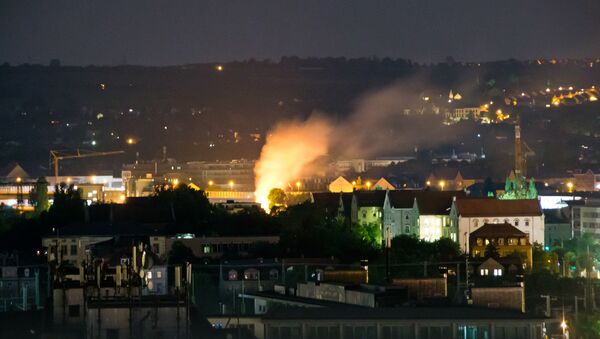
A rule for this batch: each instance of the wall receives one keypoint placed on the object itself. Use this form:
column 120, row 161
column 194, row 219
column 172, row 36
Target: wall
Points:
column 499, row 297
column 535, row 228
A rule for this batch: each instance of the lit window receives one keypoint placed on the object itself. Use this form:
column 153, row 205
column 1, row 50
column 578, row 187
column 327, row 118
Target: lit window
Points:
column 232, row 275
column 479, row 242
column 149, row 275
column 501, row 241
column 483, row 272
column 206, row 249
column 497, row 272
column 158, row 275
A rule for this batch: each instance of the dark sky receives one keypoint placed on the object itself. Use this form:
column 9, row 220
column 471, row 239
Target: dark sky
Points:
column 163, row 32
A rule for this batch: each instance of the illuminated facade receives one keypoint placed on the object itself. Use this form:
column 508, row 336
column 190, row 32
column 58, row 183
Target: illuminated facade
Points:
column 468, row 215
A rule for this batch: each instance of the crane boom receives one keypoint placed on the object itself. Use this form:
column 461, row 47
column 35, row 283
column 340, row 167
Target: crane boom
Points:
column 78, row 154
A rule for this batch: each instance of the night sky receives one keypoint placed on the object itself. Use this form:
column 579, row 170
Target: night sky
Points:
column 166, row 32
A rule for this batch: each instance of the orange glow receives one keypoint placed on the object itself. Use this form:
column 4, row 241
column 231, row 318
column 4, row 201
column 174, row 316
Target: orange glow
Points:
column 291, row 149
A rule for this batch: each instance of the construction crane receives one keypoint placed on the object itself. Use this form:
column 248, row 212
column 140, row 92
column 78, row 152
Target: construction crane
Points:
column 56, row 156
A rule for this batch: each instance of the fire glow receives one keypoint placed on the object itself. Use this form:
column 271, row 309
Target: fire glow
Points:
column 289, row 150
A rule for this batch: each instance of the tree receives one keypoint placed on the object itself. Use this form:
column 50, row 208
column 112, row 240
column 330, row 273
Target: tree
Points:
column 276, row 198
column 67, row 206
column 38, row 196
column 180, row 254
column 491, row 251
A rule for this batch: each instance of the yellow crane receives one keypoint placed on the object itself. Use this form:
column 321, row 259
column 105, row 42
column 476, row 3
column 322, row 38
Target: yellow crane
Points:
column 78, row 154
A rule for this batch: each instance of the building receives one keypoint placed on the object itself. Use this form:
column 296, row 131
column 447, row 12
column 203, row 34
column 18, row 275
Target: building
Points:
column 585, row 217
column 425, row 214
column 341, row 184
column 557, row 229
column 470, row 214
column 452, row 179
column 588, row 181
column 216, row 247
column 363, row 165
column 386, row 323
column 13, row 172
column 69, row 244
column 367, row 207
column 506, row 238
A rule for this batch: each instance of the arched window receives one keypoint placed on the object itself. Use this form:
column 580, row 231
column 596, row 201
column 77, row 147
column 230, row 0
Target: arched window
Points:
column 251, row 274
column 526, row 222
column 407, row 230
column 476, row 223
column 516, row 221
column 232, row 275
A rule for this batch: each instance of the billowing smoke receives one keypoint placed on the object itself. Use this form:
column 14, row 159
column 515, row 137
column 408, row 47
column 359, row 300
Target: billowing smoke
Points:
column 289, row 152
column 377, row 126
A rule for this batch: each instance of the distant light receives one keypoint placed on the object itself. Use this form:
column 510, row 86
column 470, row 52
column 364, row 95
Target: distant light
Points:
column 428, row 183
column 210, row 183
column 478, row 135
column 175, row 182
column 19, row 179
column 122, row 197
column 165, row 127
column 130, row 141
column 219, row 68
column 547, row 90
column 130, row 110
column 93, row 142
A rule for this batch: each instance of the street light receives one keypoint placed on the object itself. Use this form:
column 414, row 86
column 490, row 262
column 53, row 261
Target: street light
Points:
column 368, row 185
column 570, row 186
column 442, row 184
column 231, row 184
column 298, row 184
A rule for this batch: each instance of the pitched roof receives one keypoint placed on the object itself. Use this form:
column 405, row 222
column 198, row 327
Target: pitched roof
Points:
column 429, row 202
column 13, row 170
column 498, row 230
column 437, row 203
column 370, row 198
column 402, row 199
column 482, row 207
column 326, row 200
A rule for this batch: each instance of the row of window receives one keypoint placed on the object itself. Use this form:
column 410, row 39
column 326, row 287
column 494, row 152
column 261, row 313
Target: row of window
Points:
column 484, row 272
column 500, row 241
column 252, row 274
column 515, row 222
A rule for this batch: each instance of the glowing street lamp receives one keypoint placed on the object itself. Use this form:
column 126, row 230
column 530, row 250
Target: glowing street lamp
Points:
column 19, row 179
column 210, row 183
column 175, row 182
column 231, row 184
column 570, row 186
column 368, row 185
column 130, row 141
column 298, row 184
column 442, row 184
column 428, row 183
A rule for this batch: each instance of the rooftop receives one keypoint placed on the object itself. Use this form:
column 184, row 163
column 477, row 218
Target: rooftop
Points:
column 495, row 230
column 484, row 207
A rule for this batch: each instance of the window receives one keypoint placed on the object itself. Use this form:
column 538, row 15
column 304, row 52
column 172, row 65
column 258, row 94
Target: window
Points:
column 232, row 275
column 526, row 222
column 73, row 249
column 63, row 250
column 497, row 272
column 483, row 272
column 73, row 311
column 501, row 241
column 273, row 274
column 523, row 241
column 496, row 221
column 158, row 274
column 155, row 248
column 406, row 217
column 516, row 222
column 479, row 242
column 407, row 230
column 251, row 274
column 487, row 242
column 513, row 241
column 475, row 223
column 206, row 249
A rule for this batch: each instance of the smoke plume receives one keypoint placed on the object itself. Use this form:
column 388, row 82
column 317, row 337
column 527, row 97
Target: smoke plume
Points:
column 377, row 126
column 288, row 154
